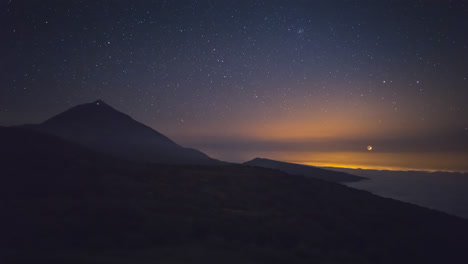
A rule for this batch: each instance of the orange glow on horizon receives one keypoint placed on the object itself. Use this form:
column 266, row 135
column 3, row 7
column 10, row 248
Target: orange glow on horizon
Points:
column 304, row 124
column 337, row 138
column 388, row 161
column 363, row 167
column 451, row 162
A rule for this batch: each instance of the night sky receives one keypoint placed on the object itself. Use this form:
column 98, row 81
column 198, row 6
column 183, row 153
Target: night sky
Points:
column 313, row 82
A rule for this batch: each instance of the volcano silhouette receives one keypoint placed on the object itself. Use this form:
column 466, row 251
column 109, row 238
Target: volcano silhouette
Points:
column 102, row 128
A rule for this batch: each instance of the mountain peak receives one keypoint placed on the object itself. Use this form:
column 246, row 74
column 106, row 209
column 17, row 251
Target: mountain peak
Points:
column 96, row 110
column 100, row 105
column 102, row 128
column 99, row 102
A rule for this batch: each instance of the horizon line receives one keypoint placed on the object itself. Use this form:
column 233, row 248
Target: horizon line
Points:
column 376, row 167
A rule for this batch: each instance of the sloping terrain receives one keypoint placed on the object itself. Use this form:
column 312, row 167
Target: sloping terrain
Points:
column 307, row 171
column 100, row 127
column 62, row 203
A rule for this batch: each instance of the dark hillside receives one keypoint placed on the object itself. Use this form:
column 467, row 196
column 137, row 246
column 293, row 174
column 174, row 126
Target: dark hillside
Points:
column 62, row 203
column 307, row 171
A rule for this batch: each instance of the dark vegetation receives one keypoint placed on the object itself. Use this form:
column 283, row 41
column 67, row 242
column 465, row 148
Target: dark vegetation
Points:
column 63, row 203
column 307, row 171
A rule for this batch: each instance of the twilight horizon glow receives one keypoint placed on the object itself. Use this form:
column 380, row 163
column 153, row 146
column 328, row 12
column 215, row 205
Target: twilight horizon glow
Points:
column 312, row 82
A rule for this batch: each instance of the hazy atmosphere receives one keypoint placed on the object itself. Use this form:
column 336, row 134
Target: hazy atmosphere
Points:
column 313, row 82
column 233, row 131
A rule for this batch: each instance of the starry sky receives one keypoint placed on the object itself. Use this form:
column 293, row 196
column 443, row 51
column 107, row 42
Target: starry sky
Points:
column 313, row 82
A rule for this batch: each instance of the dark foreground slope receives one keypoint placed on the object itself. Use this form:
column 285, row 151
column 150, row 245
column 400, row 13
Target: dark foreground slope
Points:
column 61, row 203
column 307, row 171
column 100, row 127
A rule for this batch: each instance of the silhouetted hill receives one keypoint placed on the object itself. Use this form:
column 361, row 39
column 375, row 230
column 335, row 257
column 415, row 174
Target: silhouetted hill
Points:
column 63, row 203
column 308, row 171
column 100, row 127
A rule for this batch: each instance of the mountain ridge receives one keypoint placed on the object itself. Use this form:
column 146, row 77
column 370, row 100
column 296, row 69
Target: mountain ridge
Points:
column 102, row 128
column 304, row 170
